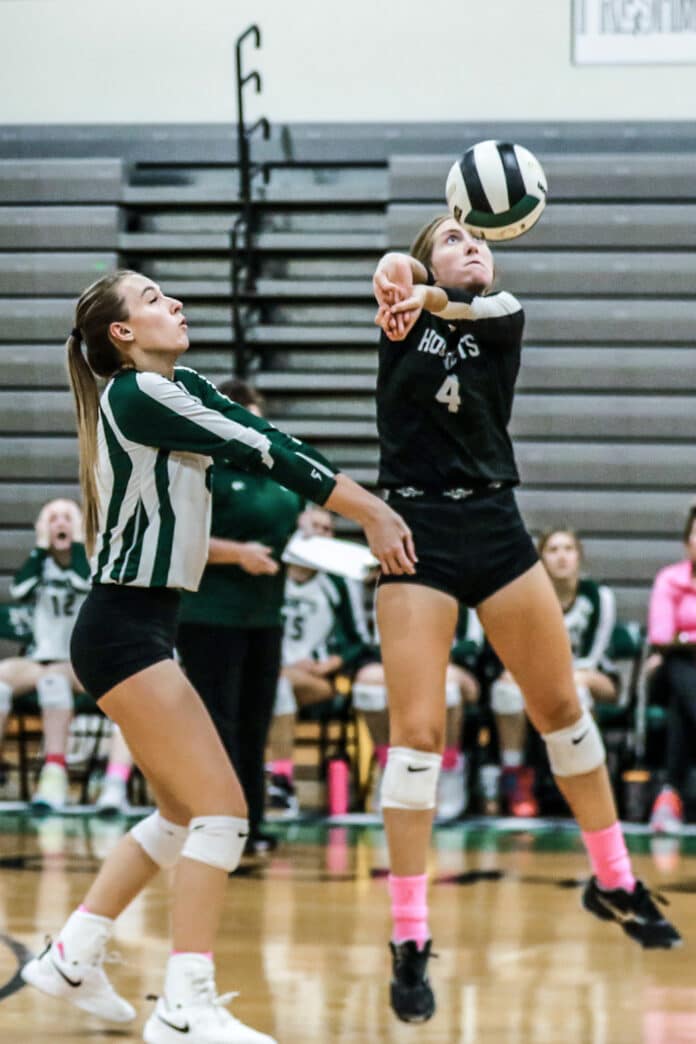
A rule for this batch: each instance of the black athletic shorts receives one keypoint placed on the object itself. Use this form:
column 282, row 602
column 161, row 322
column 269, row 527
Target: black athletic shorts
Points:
column 468, row 548
column 120, row 631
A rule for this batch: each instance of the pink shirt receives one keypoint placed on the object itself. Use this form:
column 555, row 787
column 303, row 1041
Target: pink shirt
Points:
column 672, row 615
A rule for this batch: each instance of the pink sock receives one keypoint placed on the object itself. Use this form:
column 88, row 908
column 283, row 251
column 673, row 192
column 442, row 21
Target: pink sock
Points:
column 55, row 759
column 409, row 906
column 283, row 767
column 449, row 759
column 83, row 909
column 382, row 753
column 117, row 770
column 609, row 858
column 199, row 953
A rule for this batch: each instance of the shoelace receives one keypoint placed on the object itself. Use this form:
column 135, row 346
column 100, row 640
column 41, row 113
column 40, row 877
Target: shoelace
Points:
column 204, row 985
column 656, row 896
column 206, row 988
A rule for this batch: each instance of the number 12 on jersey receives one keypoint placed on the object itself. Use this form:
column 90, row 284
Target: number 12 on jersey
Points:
column 448, row 393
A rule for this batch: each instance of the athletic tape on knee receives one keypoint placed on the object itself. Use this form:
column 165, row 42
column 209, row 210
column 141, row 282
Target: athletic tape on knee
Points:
column 369, row 697
column 54, row 691
column 217, row 840
column 506, row 698
column 161, row 840
column 285, row 702
column 5, row 698
column 585, row 697
column 576, row 749
column 453, row 695
column 410, row 779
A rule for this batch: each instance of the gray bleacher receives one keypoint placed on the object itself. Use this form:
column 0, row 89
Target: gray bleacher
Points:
column 603, row 422
column 59, row 228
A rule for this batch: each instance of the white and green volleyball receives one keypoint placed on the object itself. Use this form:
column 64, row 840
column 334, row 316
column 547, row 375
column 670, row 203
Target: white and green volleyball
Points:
column 497, row 190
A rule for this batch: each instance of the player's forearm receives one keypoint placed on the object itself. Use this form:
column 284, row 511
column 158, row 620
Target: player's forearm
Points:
column 223, row 552
column 352, row 501
column 418, row 270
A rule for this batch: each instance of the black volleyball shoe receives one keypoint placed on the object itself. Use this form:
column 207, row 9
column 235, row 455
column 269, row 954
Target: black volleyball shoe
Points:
column 412, row 997
column 636, row 912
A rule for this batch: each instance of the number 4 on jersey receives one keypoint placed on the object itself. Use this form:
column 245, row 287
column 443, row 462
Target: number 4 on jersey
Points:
column 448, row 392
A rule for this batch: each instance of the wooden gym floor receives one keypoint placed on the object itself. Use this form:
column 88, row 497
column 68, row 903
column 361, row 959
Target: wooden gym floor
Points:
column 304, row 938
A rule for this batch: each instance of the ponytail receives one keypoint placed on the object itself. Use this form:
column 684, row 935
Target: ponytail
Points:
column 86, row 394
column 99, row 305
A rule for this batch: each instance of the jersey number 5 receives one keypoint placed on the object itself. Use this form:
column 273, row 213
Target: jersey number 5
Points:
column 448, row 392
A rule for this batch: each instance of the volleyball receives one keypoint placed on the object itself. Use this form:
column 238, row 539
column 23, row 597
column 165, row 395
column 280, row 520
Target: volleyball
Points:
column 497, row 190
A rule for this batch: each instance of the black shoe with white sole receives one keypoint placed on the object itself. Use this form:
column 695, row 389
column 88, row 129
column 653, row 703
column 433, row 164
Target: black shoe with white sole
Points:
column 636, row 912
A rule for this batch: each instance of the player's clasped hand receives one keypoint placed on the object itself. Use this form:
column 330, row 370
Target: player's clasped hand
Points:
column 257, row 559
column 391, row 543
column 393, row 283
column 398, row 318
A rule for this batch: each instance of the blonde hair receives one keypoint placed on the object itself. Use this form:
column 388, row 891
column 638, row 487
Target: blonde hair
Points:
column 99, row 305
column 422, row 246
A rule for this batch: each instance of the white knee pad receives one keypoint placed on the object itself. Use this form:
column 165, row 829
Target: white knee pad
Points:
column 5, row 698
column 285, row 702
column 368, row 697
column 217, row 840
column 576, row 749
column 410, row 779
column 161, row 840
column 54, row 691
column 506, row 698
column 453, row 695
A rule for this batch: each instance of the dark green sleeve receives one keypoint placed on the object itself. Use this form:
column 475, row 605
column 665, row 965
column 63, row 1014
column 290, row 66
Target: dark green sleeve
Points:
column 29, row 575
column 79, row 563
column 346, row 638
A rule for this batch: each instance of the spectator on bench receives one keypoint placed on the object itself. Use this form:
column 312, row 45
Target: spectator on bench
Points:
column 53, row 583
column 324, row 632
column 671, row 672
column 589, row 611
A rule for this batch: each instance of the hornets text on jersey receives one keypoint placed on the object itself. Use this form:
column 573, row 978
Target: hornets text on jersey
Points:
column 444, row 396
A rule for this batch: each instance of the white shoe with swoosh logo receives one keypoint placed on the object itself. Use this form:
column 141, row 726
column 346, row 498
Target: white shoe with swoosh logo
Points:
column 83, row 984
column 192, row 1013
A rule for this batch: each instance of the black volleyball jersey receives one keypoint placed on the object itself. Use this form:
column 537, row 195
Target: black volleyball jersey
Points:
column 444, row 396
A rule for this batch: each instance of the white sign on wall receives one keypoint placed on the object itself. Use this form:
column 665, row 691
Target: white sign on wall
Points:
column 623, row 32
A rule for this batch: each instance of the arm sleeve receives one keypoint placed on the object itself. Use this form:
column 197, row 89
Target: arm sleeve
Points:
column 79, row 568
column 153, row 411
column 501, row 314
column 662, row 627
column 603, row 631
column 29, row 575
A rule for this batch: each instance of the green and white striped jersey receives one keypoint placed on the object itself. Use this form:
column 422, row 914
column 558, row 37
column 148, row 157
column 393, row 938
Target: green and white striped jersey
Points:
column 321, row 616
column 157, row 439
column 590, row 623
column 54, row 594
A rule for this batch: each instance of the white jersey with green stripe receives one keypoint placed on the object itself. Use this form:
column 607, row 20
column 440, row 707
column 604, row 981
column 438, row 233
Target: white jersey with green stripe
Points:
column 53, row 593
column 157, row 439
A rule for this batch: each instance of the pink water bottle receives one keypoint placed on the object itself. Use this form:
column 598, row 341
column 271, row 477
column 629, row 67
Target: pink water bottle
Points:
column 338, row 786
